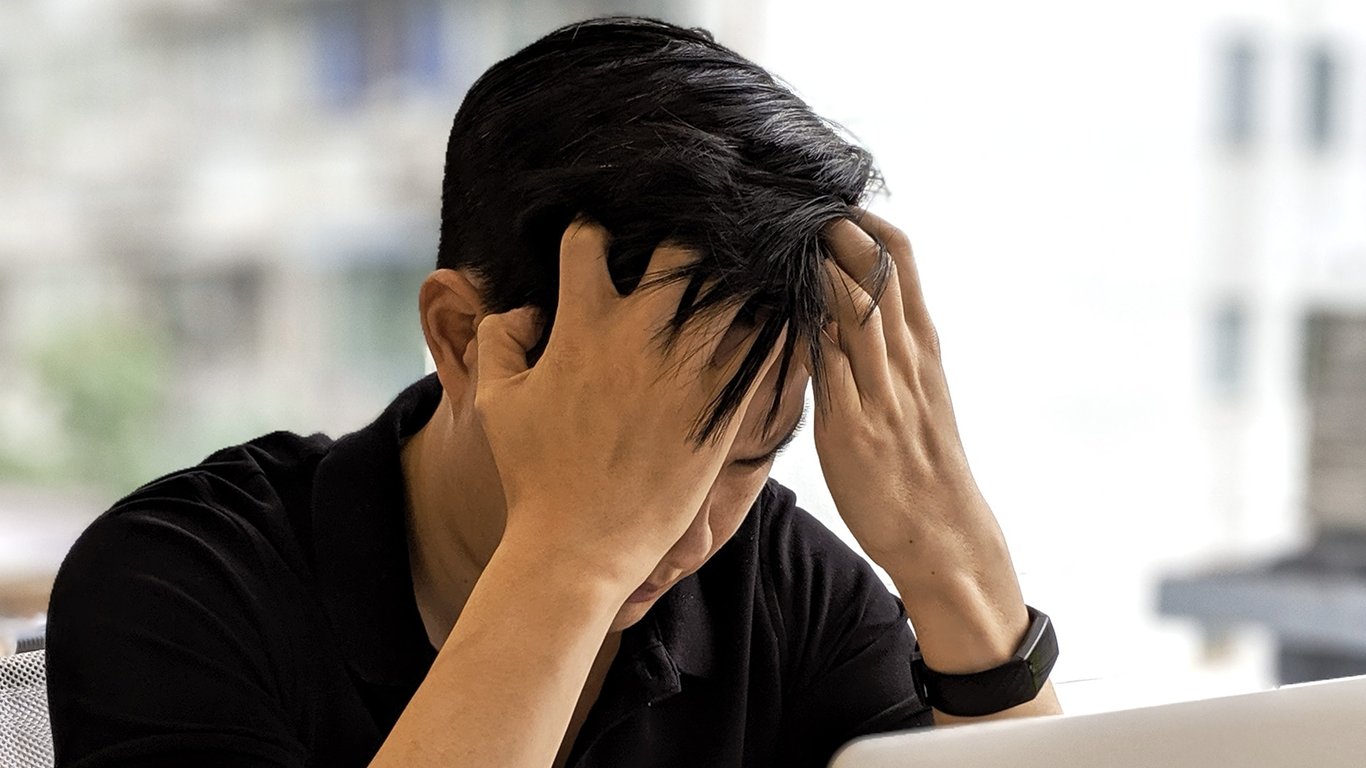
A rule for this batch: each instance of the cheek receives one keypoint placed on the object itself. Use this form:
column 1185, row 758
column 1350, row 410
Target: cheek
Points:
column 731, row 497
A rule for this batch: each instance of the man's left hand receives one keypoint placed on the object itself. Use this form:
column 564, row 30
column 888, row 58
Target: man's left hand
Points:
column 885, row 429
column 894, row 463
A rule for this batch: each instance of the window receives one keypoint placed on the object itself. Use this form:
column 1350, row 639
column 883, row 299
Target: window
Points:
column 341, row 52
column 423, row 52
column 1230, row 346
column 1321, row 92
column 1241, row 69
column 363, row 43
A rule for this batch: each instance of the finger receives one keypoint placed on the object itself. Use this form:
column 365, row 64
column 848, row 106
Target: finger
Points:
column 860, row 256
column 585, row 284
column 860, row 334
column 837, row 391
column 855, row 251
column 847, row 294
column 503, row 340
column 849, row 303
column 908, row 275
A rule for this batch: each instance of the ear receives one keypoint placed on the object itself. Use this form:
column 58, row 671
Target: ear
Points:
column 451, row 308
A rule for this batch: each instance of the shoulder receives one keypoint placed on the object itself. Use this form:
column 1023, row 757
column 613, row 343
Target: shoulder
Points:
column 249, row 485
column 234, row 509
column 197, row 584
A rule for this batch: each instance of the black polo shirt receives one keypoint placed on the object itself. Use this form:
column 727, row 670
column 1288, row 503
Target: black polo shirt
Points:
column 258, row 610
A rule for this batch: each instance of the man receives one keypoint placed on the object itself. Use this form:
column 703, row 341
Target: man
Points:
column 563, row 548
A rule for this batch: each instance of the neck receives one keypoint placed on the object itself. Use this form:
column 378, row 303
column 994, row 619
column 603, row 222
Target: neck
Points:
column 455, row 514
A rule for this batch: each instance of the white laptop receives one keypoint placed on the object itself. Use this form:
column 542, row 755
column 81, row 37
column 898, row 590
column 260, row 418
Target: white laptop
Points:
column 1312, row 725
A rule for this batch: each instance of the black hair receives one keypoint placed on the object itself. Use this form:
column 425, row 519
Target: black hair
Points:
column 660, row 134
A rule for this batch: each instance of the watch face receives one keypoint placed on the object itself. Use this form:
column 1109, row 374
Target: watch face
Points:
column 1044, row 654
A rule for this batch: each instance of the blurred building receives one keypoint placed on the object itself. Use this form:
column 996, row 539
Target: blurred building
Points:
column 236, row 198
column 1286, row 295
column 217, row 214
column 214, row 219
column 1141, row 227
column 1119, row 212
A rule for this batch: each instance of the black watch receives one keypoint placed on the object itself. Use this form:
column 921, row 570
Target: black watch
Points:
column 985, row 693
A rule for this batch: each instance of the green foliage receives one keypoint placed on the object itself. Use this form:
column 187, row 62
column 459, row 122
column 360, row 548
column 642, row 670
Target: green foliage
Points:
column 108, row 383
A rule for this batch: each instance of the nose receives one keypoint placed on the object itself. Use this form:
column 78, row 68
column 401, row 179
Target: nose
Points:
column 692, row 550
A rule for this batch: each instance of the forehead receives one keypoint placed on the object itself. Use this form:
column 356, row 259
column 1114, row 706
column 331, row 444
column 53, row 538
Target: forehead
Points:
column 793, row 392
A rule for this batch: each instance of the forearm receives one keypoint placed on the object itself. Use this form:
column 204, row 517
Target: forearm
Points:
column 505, row 683
column 961, row 593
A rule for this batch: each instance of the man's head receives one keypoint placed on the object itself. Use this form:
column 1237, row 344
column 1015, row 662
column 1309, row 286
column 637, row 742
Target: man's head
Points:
column 661, row 135
column 658, row 133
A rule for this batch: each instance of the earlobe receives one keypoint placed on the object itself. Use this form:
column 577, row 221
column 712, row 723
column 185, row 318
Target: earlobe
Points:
column 451, row 307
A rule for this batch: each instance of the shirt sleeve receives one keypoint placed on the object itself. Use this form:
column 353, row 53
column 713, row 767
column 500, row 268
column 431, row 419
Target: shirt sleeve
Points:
column 157, row 645
column 848, row 641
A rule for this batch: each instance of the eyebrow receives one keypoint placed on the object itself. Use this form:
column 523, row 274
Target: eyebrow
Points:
column 777, row 449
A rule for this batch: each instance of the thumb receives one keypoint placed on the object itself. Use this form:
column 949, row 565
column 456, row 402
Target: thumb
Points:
column 502, row 341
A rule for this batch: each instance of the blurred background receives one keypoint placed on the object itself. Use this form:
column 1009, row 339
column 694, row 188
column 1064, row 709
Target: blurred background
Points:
column 1141, row 228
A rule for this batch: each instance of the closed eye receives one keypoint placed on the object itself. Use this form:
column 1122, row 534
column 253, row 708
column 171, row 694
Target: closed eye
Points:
column 767, row 458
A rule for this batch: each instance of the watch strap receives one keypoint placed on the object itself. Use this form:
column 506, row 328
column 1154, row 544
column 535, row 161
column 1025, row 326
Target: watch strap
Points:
column 994, row 690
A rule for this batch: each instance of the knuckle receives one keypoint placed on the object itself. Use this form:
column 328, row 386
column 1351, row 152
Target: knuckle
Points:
column 875, row 431
column 897, row 241
column 484, row 325
column 481, row 399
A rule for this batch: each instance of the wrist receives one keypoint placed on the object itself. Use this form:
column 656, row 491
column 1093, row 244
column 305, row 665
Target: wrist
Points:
column 561, row 561
column 1012, row 686
column 965, row 638
column 968, row 612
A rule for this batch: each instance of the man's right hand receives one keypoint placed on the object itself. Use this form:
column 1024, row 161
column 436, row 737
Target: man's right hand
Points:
column 593, row 445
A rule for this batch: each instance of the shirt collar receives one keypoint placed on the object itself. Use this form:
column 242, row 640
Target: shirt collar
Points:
column 360, row 543
column 684, row 626
column 690, row 617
